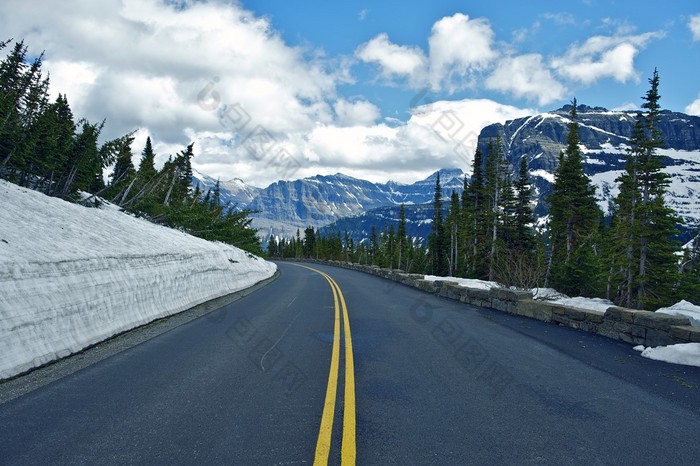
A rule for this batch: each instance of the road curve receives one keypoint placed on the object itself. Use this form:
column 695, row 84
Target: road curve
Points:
column 432, row 381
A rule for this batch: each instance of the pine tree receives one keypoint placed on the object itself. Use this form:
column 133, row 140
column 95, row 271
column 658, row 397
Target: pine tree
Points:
column 402, row 240
column 437, row 236
column 49, row 144
column 520, row 261
column 373, row 246
column 124, row 167
column 574, row 217
column 524, row 238
column 497, row 193
column 309, row 241
column 181, row 180
column 452, row 223
column 347, row 247
column 389, row 246
column 15, row 82
column 147, row 168
column 643, row 252
column 473, row 215
column 690, row 271
column 622, row 244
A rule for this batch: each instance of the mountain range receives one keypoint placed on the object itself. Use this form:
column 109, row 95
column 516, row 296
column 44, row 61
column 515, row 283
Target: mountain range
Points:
column 317, row 201
column 321, row 201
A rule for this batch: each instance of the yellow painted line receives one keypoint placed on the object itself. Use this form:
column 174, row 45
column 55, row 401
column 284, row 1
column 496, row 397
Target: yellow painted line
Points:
column 323, row 444
column 348, row 450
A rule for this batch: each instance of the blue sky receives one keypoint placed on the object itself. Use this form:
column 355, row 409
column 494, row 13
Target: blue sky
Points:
column 380, row 90
column 520, row 27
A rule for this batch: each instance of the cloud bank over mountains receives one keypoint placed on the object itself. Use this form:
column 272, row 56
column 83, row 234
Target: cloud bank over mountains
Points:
column 260, row 109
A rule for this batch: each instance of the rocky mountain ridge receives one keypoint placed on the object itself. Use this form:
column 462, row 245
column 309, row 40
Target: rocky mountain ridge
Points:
column 285, row 206
column 318, row 201
column 604, row 136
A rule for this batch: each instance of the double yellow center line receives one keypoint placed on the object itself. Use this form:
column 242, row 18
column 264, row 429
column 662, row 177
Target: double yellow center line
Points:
column 323, row 445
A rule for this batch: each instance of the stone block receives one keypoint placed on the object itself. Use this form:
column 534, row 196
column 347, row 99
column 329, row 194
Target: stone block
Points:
column 451, row 290
column 685, row 333
column 588, row 326
column 655, row 337
column 575, row 314
column 659, row 321
column 630, row 329
column 534, row 310
column 499, row 305
column 621, row 313
column 425, row 285
column 506, row 294
column 477, row 293
column 594, row 317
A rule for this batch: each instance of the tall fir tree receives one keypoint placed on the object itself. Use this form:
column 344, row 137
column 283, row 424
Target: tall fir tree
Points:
column 573, row 222
column 147, row 169
column 124, row 167
column 643, row 255
column 373, row 246
column 524, row 238
column 437, row 235
column 690, row 271
column 402, row 240
column 452, row 227
column 309, row 241
column 497, row 194
column 473, row 215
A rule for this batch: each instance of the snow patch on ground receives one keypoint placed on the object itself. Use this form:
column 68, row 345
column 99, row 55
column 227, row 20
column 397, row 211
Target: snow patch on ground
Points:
column 72, row 276
column 598, row 305
column 543, row 174
column 467, row 282
column 682, row 353
column 547, row 294
column 684, row 309
column 590, row 304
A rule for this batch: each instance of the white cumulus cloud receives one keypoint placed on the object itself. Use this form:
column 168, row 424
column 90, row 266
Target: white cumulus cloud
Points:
column 693, row 108
column 393, row 60
column 458, row 46
column 175, row 71
column 356, row 113
column 603, row 57
column 694, row 25
column 526, row 76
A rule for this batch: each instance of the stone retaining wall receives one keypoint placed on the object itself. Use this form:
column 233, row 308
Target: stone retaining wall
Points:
column 629, row 325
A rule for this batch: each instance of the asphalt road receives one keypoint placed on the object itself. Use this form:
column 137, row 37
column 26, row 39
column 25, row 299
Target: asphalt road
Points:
column 278, row 376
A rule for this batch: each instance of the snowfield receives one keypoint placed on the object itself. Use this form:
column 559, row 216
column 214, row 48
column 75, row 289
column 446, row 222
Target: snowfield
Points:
column 71, row 276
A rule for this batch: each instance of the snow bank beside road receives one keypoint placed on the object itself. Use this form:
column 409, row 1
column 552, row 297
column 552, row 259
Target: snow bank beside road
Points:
column 71, row 276
column 684, row 309
column 682, row 353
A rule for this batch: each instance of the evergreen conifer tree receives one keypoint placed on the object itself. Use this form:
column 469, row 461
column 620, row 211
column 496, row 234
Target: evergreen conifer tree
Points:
column 147, row 168
column 437, row 235
column 642, row 253
column 473, row 213
column 452, row 224
column 402, row 240
column 497, row 193
column 524, row 239
column 574, row 217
